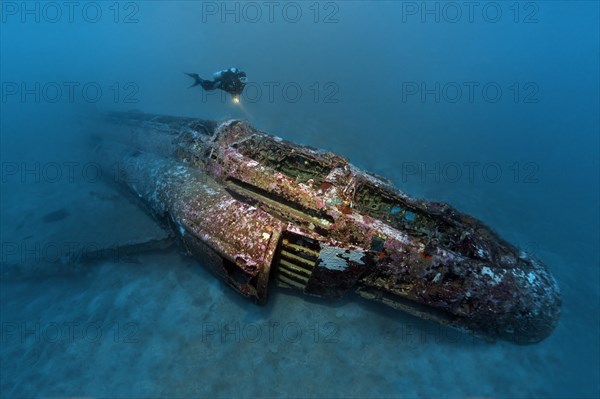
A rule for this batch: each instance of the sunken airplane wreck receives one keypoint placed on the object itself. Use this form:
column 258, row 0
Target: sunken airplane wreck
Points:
column 255, row 208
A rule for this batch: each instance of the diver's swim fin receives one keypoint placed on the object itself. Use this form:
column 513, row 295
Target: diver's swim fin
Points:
column 197, row 79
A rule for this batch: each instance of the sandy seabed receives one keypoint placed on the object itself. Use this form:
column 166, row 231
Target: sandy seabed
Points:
column 158, row 324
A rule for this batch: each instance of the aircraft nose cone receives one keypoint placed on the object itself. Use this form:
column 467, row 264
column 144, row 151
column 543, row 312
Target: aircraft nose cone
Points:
column 537, row 306
column 522, row 305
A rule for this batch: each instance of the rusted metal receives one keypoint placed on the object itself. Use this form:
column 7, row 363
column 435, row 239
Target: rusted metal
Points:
column 254, row 208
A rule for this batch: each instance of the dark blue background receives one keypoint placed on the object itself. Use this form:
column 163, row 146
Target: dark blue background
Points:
column 360, row 58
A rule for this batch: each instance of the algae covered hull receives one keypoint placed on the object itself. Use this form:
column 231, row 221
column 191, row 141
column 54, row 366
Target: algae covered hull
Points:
column 256, row 209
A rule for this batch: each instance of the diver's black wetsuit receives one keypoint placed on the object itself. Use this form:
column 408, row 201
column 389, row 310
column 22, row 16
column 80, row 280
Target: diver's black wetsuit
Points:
column 231, row 80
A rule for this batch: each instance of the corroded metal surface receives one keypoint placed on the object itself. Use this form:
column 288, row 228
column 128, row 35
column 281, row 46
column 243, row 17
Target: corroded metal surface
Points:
column 254, row 206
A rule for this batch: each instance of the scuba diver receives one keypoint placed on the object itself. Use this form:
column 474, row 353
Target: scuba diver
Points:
column 230, row 80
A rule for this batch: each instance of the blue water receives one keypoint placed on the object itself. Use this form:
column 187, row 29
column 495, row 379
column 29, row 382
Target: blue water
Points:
column 492, row 107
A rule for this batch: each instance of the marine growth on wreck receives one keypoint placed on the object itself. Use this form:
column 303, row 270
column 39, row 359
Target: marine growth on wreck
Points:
column 257, row 209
